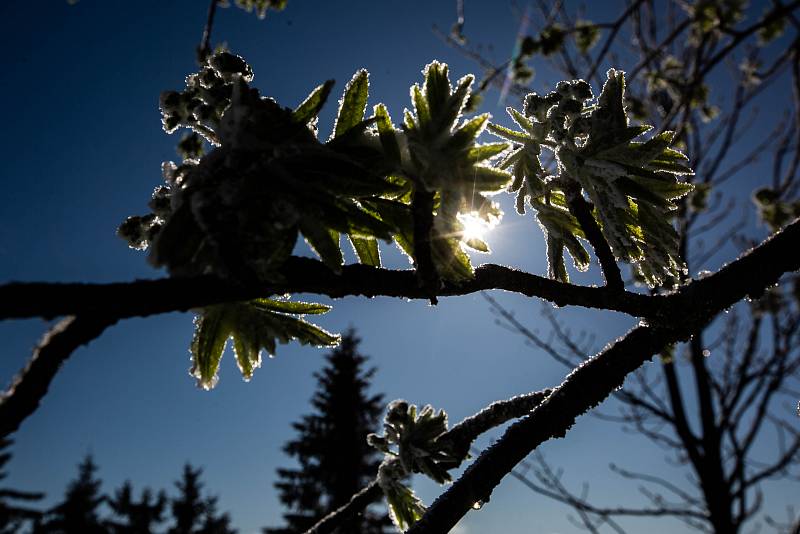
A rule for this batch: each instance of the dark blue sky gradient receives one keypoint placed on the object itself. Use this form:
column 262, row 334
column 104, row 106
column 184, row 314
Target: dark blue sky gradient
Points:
column 82, row 148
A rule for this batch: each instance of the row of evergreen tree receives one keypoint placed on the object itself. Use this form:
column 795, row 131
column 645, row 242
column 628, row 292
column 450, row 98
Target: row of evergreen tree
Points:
column 81, row 510
column 330, row 448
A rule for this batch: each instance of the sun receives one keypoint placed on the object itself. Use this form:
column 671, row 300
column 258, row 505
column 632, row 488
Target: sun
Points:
column 474, row 226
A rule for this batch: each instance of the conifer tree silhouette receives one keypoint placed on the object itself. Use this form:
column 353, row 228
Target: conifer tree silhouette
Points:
column 137, row 517
column 13, row 516
column 192, row 512
column 78, row 512
column 331, row 446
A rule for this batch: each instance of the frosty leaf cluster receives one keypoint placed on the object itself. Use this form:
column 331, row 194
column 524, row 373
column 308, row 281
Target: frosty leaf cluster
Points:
column 632, row 185
column 415, row 436
column 256, row 176
column 444, row 159
column 413, row 443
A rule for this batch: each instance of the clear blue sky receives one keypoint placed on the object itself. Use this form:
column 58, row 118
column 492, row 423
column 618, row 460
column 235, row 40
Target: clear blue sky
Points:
column 82, row 145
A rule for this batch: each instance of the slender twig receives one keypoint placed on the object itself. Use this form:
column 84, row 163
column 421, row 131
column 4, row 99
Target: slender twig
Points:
column 205, row 43
column 354, row 506
column 611, row 36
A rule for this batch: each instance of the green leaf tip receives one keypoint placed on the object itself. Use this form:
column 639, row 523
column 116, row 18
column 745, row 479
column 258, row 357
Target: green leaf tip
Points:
column 311, row 106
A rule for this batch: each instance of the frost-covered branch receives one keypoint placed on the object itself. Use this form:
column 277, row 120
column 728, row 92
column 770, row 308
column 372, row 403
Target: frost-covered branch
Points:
column 300, row 275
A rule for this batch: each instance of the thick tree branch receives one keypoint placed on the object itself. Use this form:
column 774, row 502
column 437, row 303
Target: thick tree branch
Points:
column 694, row 304
column 596, row 379
column 583, row 389
column 301, row 275
column 28, row 388
column 304, row 275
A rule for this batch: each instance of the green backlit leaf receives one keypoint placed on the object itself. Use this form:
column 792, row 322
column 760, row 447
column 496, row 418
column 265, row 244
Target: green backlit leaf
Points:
column 507, row 133
column 313, row 103
column 289, row 306
column 353, row 103
column 212, row 329
column 386, row 133
column 480, row 153
column 420, row 107
column 324, row 241
column 367, row 250
column 253, row 326
column 466, row 134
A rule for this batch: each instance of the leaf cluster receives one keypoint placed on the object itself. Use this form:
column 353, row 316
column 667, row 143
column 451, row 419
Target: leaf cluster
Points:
column 632, row 185
column 773, row 209
column 415, row 435
column 445, row 159
column 413, row 442
column 260, row 7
